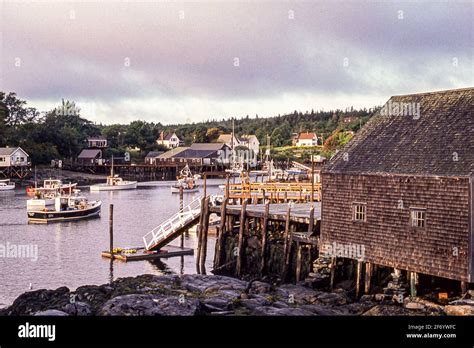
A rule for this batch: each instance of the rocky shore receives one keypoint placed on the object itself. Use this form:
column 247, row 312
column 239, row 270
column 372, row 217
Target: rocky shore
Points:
column 190, row 295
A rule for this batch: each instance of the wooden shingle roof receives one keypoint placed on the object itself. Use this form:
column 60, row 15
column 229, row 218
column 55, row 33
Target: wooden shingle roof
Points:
column 437, row 141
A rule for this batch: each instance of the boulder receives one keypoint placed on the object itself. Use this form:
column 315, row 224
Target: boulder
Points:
column 459, row 310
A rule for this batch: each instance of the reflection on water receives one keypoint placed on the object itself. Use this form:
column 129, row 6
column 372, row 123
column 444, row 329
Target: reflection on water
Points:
column 69, row 253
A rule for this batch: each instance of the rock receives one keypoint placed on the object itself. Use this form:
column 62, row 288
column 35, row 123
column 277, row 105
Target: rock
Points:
column 379, row 297
column 332, row 298
column 414, row 305
column 459, row 310
column 200, row 283
column 300, row 294
column 259, row 287
column 78, row 309
column 149, row 305
column 216, row 304
column 365, row 298
column 272, row 311
column 253, row 303
column 346, row 285
column 317, row 309
column 37, row 301
column 51, row 313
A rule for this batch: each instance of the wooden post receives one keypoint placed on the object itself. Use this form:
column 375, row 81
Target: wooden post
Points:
column 111, row 230
column 264, row 237
column 312, row 178
column 204, row 233
column 311, row 219
column 464, row 287
column 181, row 206
column 199, row 232
column 413, row 277
column 358, row 276
column 241, row 238
column 220, row 237
column 286, row 245
column 205, row 185
column 368, row 277
column 227, row 186
column 298, row 262
column 333, row 272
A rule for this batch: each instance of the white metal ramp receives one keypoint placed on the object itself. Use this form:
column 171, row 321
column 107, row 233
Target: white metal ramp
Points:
column 174, row 226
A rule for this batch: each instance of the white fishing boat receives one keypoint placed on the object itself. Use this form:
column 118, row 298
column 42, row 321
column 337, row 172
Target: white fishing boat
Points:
column 6, row 185
column 187, row 181
column 66, row 208
column 114, row 183
column 45, row 196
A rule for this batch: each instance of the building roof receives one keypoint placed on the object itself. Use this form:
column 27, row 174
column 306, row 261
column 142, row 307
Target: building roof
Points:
column 7, row 151
column 247, row 137
column 225, row 138
column 306, row 136
column 89, row 153
column 98, row 137
column 153, row 154
column 190, row 153
column 168, row 136
column 208, row 146
column 172, row 152
column 438, row 142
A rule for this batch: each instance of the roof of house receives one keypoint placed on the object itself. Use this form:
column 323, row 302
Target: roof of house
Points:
column 6, row 151
column 438, row 142
column 172, row 152
column 225, row 138
column 190, row 153
column 89, row 153
column 168, row 136
column 98, row 137
column 306, row 136
column 208, row 146
column 153, row 154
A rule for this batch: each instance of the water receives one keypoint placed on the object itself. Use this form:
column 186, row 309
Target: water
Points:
column 69, row 253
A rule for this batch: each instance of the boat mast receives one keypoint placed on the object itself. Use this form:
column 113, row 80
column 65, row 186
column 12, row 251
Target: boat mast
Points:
column 112, row 167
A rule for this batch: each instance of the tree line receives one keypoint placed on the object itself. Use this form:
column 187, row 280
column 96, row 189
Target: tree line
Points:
column 62, row 133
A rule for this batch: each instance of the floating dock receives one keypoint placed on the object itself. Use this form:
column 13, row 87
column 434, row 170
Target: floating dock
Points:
column 143, row 254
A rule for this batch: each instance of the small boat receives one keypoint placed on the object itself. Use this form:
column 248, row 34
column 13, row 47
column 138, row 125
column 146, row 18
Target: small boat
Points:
column 52, row 185
column 186, row 181
column 115, row 183
column 66, row 208
column 6, row 185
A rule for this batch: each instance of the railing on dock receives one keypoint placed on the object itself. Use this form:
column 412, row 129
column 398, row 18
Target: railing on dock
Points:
column 177, row 222
column 276, row 191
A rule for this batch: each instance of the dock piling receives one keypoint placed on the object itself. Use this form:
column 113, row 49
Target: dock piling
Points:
column 111, row 230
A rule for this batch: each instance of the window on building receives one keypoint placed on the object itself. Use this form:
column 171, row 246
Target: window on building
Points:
column 418, row 217
column 359, row 211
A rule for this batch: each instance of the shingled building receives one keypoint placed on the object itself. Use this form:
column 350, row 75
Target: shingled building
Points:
column 403, row 187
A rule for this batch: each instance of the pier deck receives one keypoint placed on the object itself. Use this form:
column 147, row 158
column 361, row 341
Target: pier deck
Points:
column 300, row 212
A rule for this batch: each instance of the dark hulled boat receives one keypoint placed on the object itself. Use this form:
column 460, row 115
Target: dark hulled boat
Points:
column 66, row 208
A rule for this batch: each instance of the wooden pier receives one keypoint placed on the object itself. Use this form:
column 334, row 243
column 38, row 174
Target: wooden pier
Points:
column 275, row 192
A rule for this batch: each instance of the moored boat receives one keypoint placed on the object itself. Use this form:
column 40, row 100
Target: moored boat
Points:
column 6, row 185
column 66, row 208
column 186, row 181
column 115, row 183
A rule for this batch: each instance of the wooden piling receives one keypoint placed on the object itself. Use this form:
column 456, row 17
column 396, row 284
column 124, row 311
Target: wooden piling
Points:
column 264, row 237
column 368, row 277
column 358, row 276
column 241, row 237
column 332, row 272
column 311, row 219
column 298, row 262
column 286, row 245
column 464, row 287
column 413, row 276
column 111, row 230
column 199, row 239
column 204, row 234
column 181, row 206
column 220, row 237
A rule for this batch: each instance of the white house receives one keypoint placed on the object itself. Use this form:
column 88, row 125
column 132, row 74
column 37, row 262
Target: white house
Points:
column 97, row 142
column 169, row 140
column 13, row 157
column 251, row 142
column 307, row 139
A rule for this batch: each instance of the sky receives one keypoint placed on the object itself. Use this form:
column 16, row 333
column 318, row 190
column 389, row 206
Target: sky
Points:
column 176, row 62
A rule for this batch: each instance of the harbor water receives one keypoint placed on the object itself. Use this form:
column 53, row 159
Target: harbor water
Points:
column 68, row 254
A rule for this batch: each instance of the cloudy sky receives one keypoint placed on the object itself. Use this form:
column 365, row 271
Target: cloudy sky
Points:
column 174, row 62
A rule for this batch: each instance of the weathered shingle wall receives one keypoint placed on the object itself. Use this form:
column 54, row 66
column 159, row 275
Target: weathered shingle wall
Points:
column 388, row 238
